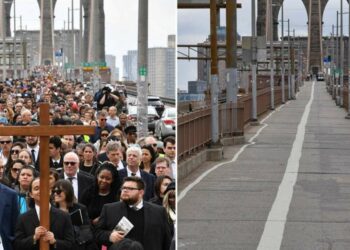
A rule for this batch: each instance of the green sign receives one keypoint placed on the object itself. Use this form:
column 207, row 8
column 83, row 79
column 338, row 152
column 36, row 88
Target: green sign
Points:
column 143, row 71
column 94, row 64
column 68, row 66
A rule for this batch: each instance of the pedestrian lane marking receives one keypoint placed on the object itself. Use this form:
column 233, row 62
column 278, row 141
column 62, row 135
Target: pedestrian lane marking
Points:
column 272, row 236
column 235, row 157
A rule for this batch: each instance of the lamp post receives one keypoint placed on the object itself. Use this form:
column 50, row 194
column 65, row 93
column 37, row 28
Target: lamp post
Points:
column 341, row 75
column 272, row 84
column 282, row 57
column 3, row 41
column 14, row 41
column 254, row 117
column 348, row 115
column 289, row 64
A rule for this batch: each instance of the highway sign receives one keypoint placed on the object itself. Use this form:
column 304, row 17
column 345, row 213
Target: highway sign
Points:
column 94, row 64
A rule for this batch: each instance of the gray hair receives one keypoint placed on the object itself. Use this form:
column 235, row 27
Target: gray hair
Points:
column 135, row 149
column 112, row 146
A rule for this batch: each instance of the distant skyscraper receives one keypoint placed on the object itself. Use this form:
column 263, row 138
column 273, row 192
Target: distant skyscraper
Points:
column 110, row 60
column 130, row 66
column 161, row 69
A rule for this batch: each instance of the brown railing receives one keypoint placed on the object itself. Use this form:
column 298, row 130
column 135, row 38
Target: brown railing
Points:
column 194, row 129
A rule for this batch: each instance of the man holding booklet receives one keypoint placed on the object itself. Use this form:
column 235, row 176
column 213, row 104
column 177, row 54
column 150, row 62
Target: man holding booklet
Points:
column 134, row 218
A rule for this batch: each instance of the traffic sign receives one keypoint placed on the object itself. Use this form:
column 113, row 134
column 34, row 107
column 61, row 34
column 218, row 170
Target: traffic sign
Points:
column 68, row 66
column 143, row 71
column 94, row 64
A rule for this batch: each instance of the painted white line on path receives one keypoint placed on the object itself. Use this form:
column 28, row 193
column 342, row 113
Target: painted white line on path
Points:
column 235, row 157
column 272, row 236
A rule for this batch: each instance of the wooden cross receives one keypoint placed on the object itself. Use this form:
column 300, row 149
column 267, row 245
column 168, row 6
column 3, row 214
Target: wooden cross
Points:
column 44, row 131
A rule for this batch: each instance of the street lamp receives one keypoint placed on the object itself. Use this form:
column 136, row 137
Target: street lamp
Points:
column 272, row 87
column 14, row 41
column 254, row 118
column 282, row 57
column 3, row 41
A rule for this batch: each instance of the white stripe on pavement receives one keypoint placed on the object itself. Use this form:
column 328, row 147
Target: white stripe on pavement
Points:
column 272, row 236
column 235, row 157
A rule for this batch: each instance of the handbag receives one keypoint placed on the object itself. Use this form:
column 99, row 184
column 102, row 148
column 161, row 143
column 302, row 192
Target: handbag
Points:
column 83, row 234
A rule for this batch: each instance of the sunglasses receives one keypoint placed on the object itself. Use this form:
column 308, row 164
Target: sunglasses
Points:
column 57, row 191
column 69, row 163
column 13, row 151
column 102, row 119
column 15, row 169
column 104, row 134
column 5, row 142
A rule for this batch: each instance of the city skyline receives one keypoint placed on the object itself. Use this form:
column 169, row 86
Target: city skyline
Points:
column 121, row 22
column 193, row 27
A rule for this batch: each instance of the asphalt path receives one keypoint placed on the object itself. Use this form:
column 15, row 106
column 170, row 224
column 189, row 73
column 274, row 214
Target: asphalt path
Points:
column 288, row 187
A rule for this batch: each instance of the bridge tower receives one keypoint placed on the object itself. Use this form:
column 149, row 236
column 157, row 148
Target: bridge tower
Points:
column 314, row 9
column 314, row 45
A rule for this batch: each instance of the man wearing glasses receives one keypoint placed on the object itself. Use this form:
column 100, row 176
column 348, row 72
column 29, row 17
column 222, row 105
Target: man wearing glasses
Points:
column 150, row 225
column 80, row 180
column 5, row 146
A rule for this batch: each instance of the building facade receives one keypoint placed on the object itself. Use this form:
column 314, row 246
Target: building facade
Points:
column 161, row 69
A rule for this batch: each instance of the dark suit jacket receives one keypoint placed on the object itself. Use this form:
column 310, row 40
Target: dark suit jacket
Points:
column 146, row 177
column 156, row 231
column 60, row 225
column 85, row 180
column 8, row 215
column 59, row 168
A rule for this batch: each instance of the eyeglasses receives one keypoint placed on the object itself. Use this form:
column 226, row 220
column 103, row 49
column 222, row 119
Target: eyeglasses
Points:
column 129, row 188
column 104, row 134
column 103, row 119
column 15, row 170
column 69, row 163
column 5, row 142
column 154, row 145
column 14, row 151
column 57, row 191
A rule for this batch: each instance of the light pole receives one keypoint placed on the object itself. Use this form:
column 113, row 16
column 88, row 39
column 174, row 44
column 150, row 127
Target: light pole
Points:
column 289, row 64
column 348, row 116
column 341, row 56
column 3, row 41
column 282, row 57
column 254, row 117
column 272, row 87
column 14, row 41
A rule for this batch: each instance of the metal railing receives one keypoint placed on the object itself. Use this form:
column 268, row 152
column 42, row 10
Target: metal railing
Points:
column 194, row 127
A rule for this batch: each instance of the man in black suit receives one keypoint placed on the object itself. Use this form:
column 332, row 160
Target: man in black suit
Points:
column 8, row 216
column 80, row 180
column 28, row 229
column 150, row 225
column 133, row 160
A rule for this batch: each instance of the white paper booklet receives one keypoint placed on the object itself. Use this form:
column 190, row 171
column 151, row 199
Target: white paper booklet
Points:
column 124, row 225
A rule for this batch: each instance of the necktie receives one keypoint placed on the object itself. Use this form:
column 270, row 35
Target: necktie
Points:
column 33, row 155
column 55, row 164
column 133, row 174
column 71, row 179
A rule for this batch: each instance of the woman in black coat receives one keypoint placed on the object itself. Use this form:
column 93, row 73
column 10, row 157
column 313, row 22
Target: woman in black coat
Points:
column 63, row 198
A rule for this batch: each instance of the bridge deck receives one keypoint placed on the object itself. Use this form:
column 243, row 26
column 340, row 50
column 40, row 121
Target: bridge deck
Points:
column 229, row 207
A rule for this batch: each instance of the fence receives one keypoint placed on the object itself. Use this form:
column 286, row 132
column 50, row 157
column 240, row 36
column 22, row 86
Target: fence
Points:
column 194, row 129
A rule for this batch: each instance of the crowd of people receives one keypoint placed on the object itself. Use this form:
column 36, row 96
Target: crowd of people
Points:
column 98, row 183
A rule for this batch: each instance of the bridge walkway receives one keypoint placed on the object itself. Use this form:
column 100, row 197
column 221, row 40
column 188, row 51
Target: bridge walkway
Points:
column 288, row 187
